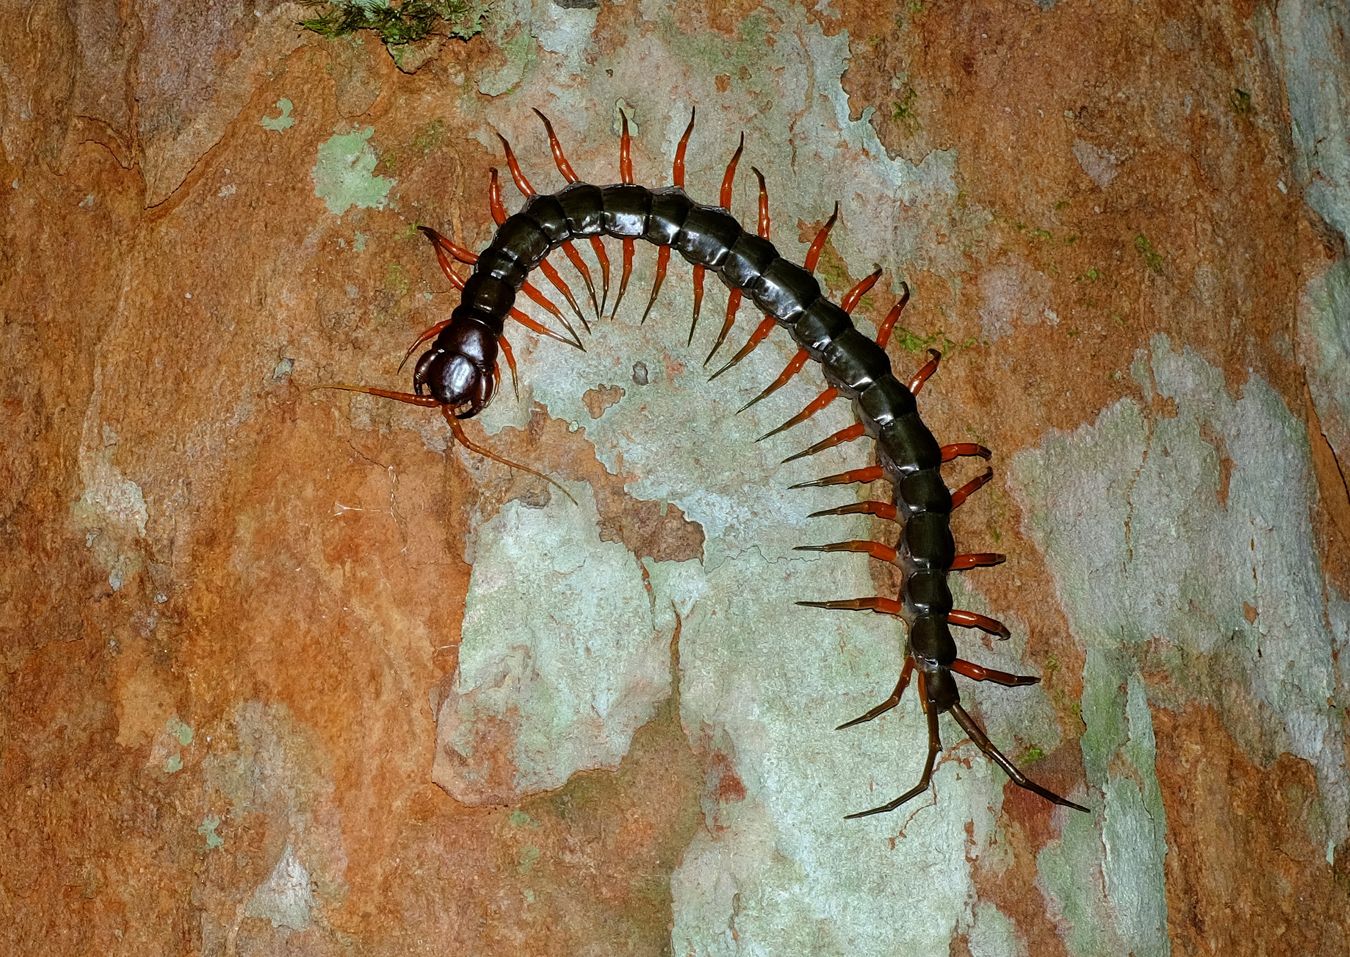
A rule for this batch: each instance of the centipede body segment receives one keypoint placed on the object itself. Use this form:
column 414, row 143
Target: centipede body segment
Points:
column 458, row 374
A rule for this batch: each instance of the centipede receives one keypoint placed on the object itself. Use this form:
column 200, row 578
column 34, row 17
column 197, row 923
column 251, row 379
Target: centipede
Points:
column 460, row 370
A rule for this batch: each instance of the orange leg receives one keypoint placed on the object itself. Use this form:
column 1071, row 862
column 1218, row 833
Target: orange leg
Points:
column 817, row 244
column 625, row 152
column 550, row 273
column 982, row 742
column 662, row 261
column 513, row 165
column 559, row 158
column 877, row 550
column 510, row 357
column 812, row 407
column 890, row 702
column 876, row 603
column 888, row 324
column 970, row 619
column 734, row 297
column 629, row 246
column 880, row 509
column 569, row 250
column 957, row 449
column 495, row 197
column 929, row 367
column 759, row 335
column 866, row 474
column 965, row 491
column 850, row 300
column 795, row 365
column 677, row 169
column 729, row 177
column 849, row 434
column 762, row 330
column 979, row 673
column 698, row 301
column 977, row 560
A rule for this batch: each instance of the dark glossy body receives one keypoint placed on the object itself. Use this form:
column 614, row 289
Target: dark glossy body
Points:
column 711, row 237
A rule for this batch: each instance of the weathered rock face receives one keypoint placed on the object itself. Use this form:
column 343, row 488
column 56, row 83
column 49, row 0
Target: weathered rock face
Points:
column 284, row 672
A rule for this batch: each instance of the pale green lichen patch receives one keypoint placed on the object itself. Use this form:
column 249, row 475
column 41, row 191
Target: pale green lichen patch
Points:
column 564, row 650
column 208, row 830
column 180, row 731
column 343, row 173
column 1188, row 533
column 283, row 120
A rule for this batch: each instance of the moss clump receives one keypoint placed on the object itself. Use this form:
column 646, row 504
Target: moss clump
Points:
column 399, row 22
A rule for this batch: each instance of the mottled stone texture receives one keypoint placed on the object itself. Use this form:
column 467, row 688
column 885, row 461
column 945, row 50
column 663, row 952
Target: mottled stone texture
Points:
column 281, row 672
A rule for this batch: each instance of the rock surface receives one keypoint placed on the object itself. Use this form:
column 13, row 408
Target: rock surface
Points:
column 284, row 672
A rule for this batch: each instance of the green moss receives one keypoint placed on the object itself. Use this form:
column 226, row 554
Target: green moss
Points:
column 1152, row 258
column 1240, row 101
column 399, row 22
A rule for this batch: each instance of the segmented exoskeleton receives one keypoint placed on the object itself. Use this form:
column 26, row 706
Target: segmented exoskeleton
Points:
column 458, row 374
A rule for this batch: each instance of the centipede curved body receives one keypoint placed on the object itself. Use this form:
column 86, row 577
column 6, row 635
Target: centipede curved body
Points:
column 458, row 373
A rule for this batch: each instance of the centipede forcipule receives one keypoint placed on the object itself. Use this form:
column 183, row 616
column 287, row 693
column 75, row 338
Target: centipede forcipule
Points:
column 459, row 374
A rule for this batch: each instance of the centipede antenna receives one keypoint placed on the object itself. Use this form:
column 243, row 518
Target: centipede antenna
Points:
column 812, row 407
column 878, row 550
column 974, row 485
column 976, row 734
column 817, row 244
column 970, row 619
column 885, row 510
column 425, row 401
column 891, row 701
column 457, row 428
column 934, row 747
column 795, row 365
column 759, row 335
column 869, row 473
column 677, row 168
column 929, row 367
column 850, row 300
column 980, row 673
column 662, row 261
column 888, row 324
column 849, row 434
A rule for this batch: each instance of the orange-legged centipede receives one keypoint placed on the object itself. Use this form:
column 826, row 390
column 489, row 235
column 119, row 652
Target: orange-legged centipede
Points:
column 459, row 372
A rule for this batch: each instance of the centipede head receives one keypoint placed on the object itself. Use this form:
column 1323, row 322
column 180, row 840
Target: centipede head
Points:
column 458, row 371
